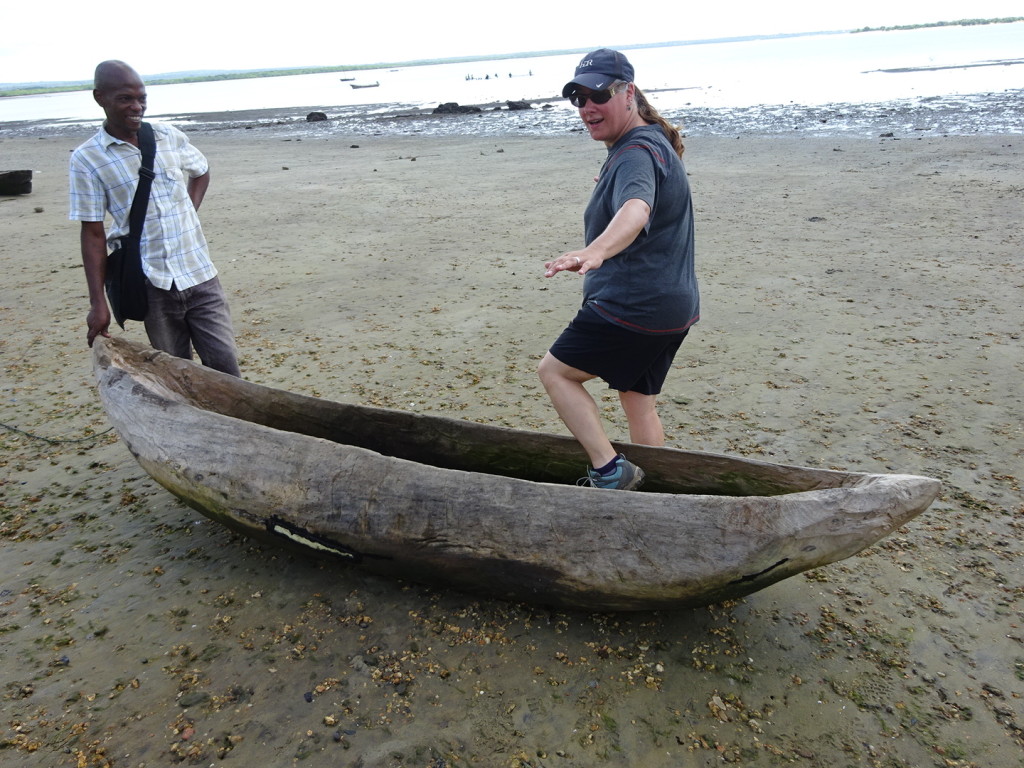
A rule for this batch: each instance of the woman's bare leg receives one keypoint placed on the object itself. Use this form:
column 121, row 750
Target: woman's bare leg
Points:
column 644, row 423
column 576, row 407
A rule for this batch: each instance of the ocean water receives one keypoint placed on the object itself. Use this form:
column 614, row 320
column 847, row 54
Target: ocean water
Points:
column 734, row 78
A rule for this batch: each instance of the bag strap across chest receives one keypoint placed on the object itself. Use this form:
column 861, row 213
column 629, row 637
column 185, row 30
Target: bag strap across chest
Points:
column 137, row 215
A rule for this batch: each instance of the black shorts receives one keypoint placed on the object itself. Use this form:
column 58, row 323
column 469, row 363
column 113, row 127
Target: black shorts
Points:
column 628, row 361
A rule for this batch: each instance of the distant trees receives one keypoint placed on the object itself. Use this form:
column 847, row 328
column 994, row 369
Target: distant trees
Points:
column 960, row 23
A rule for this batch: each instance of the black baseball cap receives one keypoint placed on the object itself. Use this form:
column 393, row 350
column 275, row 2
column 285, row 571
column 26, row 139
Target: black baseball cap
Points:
column 599, row 69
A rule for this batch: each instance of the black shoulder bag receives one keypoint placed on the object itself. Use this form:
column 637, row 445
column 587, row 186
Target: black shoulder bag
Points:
column 125, row 281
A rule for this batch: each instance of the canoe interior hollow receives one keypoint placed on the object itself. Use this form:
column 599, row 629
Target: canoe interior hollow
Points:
column 457, row 444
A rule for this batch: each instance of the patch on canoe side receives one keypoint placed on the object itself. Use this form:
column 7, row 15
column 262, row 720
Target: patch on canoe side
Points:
column 759, row 574
column 292, row 532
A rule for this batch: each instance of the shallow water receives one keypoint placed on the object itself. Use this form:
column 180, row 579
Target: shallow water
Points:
column 975, row 114
column 958, row 80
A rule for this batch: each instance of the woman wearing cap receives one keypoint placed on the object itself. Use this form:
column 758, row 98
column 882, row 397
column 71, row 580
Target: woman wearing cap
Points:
column 640, row 292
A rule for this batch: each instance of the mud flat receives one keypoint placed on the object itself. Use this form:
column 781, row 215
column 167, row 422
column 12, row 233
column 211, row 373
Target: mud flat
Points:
column 862, row 311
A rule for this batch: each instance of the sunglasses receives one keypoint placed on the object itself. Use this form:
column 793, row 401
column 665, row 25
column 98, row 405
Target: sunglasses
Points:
column 579, row 100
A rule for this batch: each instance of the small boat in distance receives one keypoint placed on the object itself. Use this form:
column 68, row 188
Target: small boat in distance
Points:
column 484, row 508
column 365, row 85
column 346, row 79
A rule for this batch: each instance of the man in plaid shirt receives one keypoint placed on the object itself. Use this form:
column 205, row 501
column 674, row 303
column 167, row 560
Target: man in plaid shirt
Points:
column 187, row 305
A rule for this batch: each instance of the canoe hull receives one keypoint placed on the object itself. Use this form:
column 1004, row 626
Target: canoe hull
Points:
column 494, row 532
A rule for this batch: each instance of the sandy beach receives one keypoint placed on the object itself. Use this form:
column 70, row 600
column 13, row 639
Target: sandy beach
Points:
column 861, row 310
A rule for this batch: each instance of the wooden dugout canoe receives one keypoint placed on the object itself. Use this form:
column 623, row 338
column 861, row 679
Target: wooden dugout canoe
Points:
column 15, row 182
column 483, row 508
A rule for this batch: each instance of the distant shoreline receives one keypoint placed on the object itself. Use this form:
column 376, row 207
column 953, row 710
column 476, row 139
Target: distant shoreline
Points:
column 173, row 78
column 993, row 63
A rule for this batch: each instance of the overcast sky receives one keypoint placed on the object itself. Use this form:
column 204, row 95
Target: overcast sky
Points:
column 64, row 40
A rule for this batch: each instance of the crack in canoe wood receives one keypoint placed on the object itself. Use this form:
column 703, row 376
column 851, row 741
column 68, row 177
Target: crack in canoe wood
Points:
column 299, row 535
column 759, row 574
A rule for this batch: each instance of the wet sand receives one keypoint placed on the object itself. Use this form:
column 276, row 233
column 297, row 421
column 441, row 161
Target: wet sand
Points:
column 862, row 310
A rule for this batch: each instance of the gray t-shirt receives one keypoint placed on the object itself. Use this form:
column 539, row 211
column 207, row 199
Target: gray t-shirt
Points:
column 650, row 287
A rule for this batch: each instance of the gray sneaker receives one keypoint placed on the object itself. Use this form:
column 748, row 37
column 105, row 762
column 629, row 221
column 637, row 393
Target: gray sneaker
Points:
column 626, row 477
